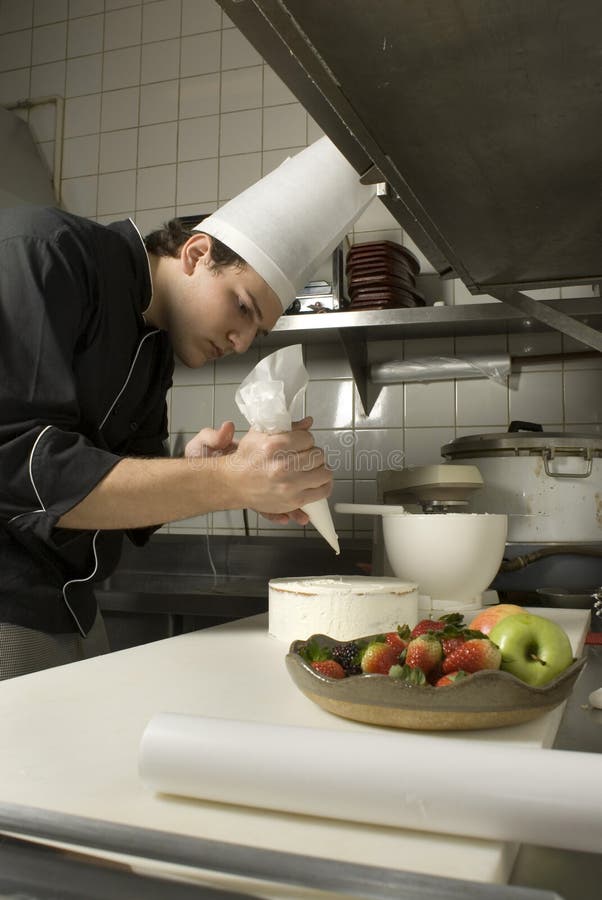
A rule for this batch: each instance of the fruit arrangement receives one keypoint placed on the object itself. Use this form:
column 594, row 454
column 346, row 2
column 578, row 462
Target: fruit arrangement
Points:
column 442, row 651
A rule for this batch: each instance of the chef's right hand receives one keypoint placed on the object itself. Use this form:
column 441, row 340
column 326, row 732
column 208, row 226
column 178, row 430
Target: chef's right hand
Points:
column 278, row 473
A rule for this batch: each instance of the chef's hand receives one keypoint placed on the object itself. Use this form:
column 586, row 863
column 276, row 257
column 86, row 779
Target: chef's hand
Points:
column 212, row 442
column 295, row 515
column 280, row 473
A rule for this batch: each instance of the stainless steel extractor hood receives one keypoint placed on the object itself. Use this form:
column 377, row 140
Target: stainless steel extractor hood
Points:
column 24, row 176
column 484, row 118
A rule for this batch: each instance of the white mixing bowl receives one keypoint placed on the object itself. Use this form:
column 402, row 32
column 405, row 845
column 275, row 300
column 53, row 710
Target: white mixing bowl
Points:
column 451, row 556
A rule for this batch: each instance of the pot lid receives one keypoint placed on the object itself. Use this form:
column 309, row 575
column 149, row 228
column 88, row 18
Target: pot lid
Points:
column 514, row 443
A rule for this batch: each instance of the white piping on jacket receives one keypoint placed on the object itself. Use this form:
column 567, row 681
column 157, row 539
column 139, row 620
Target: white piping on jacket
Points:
column 33, row 450
column 129, row 375
column 43, row 509
column 33, row 484
column 80, row 581
column 150, row 274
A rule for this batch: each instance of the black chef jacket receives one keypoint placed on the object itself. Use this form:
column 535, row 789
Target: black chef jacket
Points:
column 83, row 382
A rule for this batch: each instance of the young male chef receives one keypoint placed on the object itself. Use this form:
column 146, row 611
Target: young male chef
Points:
column 90, row 321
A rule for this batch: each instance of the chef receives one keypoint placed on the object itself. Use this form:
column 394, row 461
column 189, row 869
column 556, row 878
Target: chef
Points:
column 91, row 318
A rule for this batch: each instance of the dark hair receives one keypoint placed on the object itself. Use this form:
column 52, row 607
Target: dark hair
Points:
column 169, row 240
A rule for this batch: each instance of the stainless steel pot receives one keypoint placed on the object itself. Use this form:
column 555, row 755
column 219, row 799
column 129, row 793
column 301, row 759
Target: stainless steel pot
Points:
column 549, row 484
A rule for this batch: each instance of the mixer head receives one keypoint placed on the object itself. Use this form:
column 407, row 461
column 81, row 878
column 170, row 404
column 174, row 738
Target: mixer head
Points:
column 435, row 489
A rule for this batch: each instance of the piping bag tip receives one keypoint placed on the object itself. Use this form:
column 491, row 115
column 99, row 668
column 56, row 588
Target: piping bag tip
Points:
column 321, row 518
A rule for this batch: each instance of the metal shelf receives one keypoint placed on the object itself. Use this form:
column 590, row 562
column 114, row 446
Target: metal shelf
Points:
column 355, row 329
column 425, row 321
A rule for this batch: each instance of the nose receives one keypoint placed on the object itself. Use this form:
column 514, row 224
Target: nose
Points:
column 241, row 339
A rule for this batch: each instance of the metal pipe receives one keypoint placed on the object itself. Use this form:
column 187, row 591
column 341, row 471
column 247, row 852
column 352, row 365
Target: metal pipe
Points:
column 520, row 562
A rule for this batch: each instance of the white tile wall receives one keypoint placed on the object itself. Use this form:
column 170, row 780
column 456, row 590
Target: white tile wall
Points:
column 160, row 61
column 121, row 68
column 169, row 110
column 14, row 16
column 45, row 11
column 84, row 75
column 198, row 138
column 118, row 150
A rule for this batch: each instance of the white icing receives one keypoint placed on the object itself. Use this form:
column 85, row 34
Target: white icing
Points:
column 344, row 607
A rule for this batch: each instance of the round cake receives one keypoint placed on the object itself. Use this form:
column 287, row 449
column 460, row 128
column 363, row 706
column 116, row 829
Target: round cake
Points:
column 341, row 606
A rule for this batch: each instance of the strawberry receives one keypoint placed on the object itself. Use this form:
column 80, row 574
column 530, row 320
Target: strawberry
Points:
column 449, row 644
column 473, row 655
column 426, row 625
column 320, row 660
column 450, row 678
column 378, row 657
column 453, row 620
column 424, row 652
column 329, row 667
column 398, row 639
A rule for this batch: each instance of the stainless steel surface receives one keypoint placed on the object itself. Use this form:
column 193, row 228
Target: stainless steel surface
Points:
column 424, row 321
column 579, row 331
column 492, row 151
column 581, row 725
column 562, row 598
column 30, row 871
column 547, row 482
column 346, row 879
column 525, row 443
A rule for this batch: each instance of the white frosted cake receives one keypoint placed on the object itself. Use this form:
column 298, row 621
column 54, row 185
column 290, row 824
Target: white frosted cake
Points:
column 341, row 606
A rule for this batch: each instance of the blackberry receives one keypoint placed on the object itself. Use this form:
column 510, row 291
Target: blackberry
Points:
column 348, row 655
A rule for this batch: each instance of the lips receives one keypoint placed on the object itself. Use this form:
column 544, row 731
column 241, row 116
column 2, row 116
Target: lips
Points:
column 217, row 351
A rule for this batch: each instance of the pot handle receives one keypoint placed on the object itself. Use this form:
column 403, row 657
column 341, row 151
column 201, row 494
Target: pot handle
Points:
column 517, row 425
column 548, row 454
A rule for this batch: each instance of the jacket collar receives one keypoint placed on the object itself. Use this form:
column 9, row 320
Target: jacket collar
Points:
column 129, row 230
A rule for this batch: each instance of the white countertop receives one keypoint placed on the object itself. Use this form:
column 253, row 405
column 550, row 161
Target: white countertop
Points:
column 70, row 737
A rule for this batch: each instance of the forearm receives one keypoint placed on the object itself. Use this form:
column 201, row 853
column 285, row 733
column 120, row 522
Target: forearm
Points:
column 138, row 493
column 273, row 473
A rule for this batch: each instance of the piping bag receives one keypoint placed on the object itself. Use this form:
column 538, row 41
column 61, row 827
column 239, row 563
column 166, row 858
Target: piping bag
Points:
column 266, row 398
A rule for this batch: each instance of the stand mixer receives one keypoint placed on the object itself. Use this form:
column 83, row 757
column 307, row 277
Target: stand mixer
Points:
column 423, row 534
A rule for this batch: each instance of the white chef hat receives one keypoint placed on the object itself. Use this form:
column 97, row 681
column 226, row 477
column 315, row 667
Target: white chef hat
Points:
column 289, row 222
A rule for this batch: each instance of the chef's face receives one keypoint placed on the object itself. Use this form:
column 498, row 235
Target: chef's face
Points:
column 219, row 310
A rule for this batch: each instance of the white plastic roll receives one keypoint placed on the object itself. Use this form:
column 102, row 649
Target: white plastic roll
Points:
column 496, row 366
column 494, row 791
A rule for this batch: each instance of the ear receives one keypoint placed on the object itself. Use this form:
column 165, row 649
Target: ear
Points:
column 196, row 249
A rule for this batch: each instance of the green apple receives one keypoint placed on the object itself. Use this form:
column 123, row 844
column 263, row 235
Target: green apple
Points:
column 534, row 649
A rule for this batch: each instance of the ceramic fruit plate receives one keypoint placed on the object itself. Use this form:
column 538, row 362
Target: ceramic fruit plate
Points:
column 486, row 699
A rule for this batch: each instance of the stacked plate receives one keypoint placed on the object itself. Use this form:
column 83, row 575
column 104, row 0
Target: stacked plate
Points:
column 382, row 274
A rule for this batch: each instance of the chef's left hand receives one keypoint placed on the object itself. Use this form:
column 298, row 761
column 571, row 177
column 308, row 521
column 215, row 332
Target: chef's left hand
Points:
column 212, row 442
